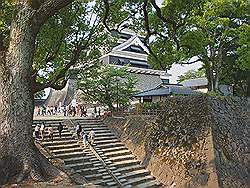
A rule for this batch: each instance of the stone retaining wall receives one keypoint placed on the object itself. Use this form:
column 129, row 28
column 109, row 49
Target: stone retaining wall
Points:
column 231, row 126
column 184, row 144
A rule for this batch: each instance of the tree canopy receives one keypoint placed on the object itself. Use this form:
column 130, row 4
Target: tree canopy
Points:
column 106, row 85
column 200, row 30
column 192, row 74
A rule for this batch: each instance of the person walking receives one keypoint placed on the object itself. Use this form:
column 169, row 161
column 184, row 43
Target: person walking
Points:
column 37, row 130
column 60, row 128
column 50, row 130
column 95, row 112
column 99, row 112
column 64, row 111
column 84, row 139
column 78, row 130
column 91, row 137
column 42, row 128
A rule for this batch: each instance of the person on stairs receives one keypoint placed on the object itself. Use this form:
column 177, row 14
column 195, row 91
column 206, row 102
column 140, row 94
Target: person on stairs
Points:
column 78, row 130
column 42, row 128
column 60, row 128
column 91, row 136
column 84, row 139
column 37, row 130
column 50, row 130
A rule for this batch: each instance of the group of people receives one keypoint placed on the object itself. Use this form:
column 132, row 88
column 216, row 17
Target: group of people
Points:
column 78, row 110
column 85, row 138
column 39, row 131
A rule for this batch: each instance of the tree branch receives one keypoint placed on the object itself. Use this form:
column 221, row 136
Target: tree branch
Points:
column 149, row 33
column 47, row 9
column 159, row 14
column 190, row 62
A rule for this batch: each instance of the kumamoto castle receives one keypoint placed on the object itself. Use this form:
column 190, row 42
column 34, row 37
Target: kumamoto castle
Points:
column 152, row 86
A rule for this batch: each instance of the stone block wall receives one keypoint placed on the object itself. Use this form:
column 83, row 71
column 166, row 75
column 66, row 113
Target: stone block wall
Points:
column 230, row 129
column 184, row 143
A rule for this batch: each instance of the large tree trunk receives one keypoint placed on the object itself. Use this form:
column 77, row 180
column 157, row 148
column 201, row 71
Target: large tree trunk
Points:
column 209, row 74
column 19, row 158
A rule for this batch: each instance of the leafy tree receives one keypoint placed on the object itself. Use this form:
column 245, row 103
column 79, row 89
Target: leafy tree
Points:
column 106, row 85
column 39, row 41
column 191, row 74
column 185, row 32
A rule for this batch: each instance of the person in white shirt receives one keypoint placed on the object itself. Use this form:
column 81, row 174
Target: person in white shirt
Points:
column 91, row 137
column 42, row 128
column 84, row 139
column 37, row 130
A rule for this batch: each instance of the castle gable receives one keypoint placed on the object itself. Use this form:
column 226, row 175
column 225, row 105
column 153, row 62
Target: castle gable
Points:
column 134, row 44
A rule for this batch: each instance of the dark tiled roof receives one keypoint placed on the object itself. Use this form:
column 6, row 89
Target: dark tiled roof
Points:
column 167, row 89
column 144, row 71
column 195, row 82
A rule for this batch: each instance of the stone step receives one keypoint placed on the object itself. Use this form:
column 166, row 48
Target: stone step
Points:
column 124, row 163
column 100, row 131
column 89, row 127
column 70, row 155
column 112, row 149
column 117, row 153
column 88, row 122
column 87, row 171
column 105, row 137
column 55, row 134
column 136, row 173
column 67, row 150
column 77, row 159
column 78, row 166
column 97, row 132
column 100, row 142
column 91, row 124
column 57, row 138
column 128, row 168
column 62, row 146
column 104, row 170
column 139, row 180
column 59, row 142
column 48, row 124
column 109, row 145
column 92, row 177
column 121, row 158
column 101, row 182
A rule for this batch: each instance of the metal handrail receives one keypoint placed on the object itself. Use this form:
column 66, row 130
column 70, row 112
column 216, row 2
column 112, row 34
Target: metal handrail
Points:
column 102, row 161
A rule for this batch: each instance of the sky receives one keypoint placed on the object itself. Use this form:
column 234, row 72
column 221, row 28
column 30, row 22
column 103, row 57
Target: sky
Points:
column 159, row 2
column 177, row 70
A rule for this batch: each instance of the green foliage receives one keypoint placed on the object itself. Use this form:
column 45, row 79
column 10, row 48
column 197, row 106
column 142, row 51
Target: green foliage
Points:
column 39, row 94
column 152, row 105
column 243, row 42
column 211, row 31
column 76, row 27
column 106, row 85
column 5, row 21
column 192, row 74
column 213, row 94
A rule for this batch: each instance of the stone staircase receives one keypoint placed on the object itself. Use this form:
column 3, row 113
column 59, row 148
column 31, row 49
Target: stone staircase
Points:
column 106, row 163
